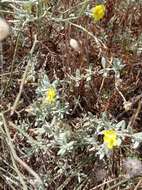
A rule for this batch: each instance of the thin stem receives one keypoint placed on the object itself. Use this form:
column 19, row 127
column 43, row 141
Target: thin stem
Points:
column 124, row 99
column 24, row 77
column 13, row 153
column 1, row 64
column 12, row 64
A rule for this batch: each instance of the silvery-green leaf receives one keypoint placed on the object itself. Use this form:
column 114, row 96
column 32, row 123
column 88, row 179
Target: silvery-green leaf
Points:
column 120, row 125
column 103, row 62
column 119, row 141
column 135, row 144
column 137, row 136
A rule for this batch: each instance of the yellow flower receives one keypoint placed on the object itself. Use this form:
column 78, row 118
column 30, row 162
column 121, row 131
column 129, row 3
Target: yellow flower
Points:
column 50, row 96
column 98, row 12
column 110, row 138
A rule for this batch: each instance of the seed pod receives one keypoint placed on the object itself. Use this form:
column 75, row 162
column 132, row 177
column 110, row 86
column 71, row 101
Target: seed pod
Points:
column 132, row 167
column 4, row 29
column 74, row 44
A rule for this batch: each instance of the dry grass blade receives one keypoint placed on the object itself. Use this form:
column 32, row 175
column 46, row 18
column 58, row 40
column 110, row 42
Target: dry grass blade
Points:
column 18, row 160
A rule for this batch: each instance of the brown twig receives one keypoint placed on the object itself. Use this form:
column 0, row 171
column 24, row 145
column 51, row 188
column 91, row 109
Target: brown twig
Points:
column 104, row 183
column 135, row 115
column 138, row 184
